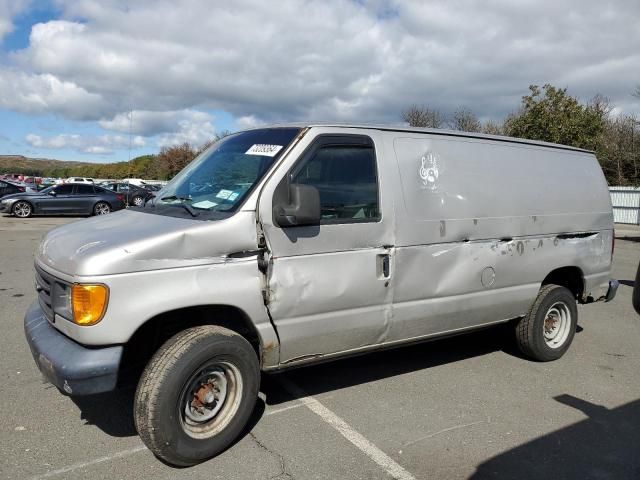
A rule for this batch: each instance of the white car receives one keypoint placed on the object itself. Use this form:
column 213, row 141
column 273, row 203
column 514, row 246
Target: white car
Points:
column 79, row 180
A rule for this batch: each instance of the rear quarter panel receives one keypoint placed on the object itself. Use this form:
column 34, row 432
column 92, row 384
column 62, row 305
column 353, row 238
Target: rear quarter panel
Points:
column 481, row 223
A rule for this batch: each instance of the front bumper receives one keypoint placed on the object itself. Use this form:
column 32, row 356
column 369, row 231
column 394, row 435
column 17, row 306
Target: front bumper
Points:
column 73, row 368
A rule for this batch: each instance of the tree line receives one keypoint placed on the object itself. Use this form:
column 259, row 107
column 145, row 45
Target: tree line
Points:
column 550, row 114
column 162, row 166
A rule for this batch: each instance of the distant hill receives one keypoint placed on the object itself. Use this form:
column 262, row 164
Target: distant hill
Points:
column 34, row 166
column 140, row 167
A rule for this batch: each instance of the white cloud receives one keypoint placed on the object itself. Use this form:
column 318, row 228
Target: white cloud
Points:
column 193, row 132
column 46, row 93
column 8, row 10
column 248, row 121
column 145, row 122
column 99, row 144
column 299, row 60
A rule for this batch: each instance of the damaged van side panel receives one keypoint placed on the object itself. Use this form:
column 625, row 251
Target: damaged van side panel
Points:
column 158, row 265
column 451, row 286
column 472, row 227
column 327, row 291
column 481, row 224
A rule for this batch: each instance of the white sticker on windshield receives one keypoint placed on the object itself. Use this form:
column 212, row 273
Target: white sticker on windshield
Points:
column 224, row 194
column 264, row 149
column 204, row 204
column 233, row 196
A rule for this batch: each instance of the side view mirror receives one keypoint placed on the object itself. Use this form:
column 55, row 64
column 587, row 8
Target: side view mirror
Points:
column 303, row 210
column 53, row 193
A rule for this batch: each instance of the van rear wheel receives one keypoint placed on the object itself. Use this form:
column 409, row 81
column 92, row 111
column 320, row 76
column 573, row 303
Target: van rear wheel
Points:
column 196, row 394
column 546, row 332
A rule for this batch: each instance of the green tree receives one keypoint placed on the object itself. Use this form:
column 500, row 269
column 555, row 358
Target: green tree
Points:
column 550, row 114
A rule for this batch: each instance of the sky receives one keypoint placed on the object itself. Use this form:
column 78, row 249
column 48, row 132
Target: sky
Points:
column 105, row 80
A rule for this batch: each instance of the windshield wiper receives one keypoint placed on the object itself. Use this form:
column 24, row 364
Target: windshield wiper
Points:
column 186, row 206
column 189, row 209
column 175, row 197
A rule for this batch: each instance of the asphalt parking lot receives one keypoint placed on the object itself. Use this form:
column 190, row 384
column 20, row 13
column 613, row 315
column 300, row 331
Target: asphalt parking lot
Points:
column 467, row 407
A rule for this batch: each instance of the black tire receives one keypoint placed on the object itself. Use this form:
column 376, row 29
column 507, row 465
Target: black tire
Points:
column 22, row 209
column 165, row 387
column 101, row 208
column 535, row 331
column 137, row 201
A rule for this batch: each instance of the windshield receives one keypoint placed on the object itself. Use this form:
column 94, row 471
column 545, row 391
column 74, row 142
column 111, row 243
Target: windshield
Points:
column 220, row 178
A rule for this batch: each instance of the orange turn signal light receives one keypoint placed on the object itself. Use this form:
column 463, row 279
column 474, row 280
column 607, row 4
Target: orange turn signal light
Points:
column 88, row 303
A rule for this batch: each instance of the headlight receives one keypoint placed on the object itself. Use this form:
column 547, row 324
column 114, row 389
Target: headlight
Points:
column 88, row 303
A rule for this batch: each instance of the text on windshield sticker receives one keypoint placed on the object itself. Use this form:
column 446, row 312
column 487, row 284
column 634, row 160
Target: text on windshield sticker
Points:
column 264, row 149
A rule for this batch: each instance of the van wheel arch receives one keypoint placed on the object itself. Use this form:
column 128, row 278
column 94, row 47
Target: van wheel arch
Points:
column 570, row 277
column 152, row 334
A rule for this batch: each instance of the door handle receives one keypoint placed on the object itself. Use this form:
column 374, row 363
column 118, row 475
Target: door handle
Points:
column 384, row 266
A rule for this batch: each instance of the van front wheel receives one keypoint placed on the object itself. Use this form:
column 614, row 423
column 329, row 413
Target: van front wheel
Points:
column 546, row 332
column 196, row 394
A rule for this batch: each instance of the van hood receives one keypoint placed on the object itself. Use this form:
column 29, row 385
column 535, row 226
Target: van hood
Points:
column 133, row 241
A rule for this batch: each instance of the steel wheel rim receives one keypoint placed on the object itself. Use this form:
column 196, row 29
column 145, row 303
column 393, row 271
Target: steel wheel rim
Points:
column 137, row 201
column 102, row 209
column 210, row 399
column 22, row 210
column 557, row 325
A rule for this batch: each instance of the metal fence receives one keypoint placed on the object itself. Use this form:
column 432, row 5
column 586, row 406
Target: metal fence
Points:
column 626, row 204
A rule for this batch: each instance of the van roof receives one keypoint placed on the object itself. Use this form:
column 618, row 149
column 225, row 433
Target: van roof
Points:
column 432, row 131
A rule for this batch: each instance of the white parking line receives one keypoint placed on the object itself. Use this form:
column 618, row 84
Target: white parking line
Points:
column 76, row 466
column 131, row 451
column 368, row 448
column 364, row 445
column 283, row 409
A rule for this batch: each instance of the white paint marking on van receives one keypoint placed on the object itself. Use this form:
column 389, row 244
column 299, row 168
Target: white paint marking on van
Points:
column 364, row 445
column 76, row 466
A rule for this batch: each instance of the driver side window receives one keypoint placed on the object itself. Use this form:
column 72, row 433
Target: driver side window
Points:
column 346, row 178
column 64, row 189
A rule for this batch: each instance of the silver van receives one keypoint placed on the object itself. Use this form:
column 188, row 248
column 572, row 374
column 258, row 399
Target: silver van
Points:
column 289, row 245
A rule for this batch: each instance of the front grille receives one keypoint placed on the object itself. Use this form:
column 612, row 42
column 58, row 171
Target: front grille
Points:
column 44, row 284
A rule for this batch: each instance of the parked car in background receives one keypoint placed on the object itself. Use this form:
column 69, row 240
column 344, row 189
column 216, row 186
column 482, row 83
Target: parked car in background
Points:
column 79, row 180
column 46, row 182
column 68, row 198
column 8, row 187
column 133, row 194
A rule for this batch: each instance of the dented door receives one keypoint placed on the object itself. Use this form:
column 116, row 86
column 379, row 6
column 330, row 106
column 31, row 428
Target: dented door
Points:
column 328, row 287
